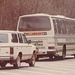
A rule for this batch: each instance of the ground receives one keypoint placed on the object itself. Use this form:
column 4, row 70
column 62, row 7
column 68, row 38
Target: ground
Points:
column 43, row 67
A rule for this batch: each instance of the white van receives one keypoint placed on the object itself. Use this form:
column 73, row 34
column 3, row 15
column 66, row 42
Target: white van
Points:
column 14, row 49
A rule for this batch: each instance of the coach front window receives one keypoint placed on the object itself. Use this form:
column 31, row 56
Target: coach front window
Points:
column 39, row 23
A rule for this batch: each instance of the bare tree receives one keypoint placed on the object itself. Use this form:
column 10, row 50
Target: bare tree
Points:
column 10, row 10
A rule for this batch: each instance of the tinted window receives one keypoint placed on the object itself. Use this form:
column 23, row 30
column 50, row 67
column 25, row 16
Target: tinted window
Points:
column 34, row 24
column 14, row 38
column 72, row 24
column 67, row 26
column 55, row 26
column 59, row 26
column 3, row 38
column 62, row 26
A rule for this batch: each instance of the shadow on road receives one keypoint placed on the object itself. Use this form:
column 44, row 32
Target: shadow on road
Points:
column 11, row 68
column 54, row 59
column 40, row 60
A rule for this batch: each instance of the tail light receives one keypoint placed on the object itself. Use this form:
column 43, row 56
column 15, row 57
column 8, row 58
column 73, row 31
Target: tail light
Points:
column 11, row 50
column 50, row 47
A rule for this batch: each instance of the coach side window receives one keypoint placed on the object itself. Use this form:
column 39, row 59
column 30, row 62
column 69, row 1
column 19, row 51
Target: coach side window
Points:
column 55, row 26
column 67, row 26
column 20, row 38
column 62, row 26
column 14, row 38
column 72, row 27
column 58, row 26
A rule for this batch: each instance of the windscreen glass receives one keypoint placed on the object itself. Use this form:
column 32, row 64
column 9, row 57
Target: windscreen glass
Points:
column 34, row 24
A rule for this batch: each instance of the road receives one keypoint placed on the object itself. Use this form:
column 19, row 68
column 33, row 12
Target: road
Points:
column 43, row 67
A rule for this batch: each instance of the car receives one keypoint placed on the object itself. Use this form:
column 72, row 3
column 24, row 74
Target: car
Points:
column 14, row 49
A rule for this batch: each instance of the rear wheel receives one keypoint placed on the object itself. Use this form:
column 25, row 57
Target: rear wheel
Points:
column 64, row 52
column 3, row 64
column 18, row 62
column 51, row 57
column 74, row 55
column 32, row 61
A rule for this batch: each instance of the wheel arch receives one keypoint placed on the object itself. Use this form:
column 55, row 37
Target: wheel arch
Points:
column 20, row 54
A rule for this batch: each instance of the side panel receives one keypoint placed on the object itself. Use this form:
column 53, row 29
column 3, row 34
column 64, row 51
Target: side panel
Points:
column 26, row 51
column 68, row 41
column 4, row 51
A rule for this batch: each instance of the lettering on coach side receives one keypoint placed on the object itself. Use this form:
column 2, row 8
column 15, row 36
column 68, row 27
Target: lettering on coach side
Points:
column 37, row 43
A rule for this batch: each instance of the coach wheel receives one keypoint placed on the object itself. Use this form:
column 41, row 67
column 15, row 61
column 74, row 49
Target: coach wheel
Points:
column 18, row 62
column 3, row 64
column 51, row 57
column 64, row 52
column 74, row 55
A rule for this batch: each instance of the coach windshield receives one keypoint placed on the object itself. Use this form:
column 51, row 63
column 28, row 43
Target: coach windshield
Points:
column 34, row 24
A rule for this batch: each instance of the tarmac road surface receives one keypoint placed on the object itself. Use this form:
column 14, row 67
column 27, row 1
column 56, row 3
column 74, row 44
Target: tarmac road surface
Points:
column 43, row 67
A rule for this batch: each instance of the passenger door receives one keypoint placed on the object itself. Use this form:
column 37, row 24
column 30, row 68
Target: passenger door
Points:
column 29, row 46
column 24, row 47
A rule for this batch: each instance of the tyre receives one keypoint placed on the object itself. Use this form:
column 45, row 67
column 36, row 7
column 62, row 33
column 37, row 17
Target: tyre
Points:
column 64, row 52
column 3, row 64
column 51, row 57
column 17, row 63
column 74, row 55
column 56, row 57
column 32, row 61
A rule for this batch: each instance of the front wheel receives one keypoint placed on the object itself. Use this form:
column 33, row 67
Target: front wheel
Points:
column 17, row 63
column 32, row 61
